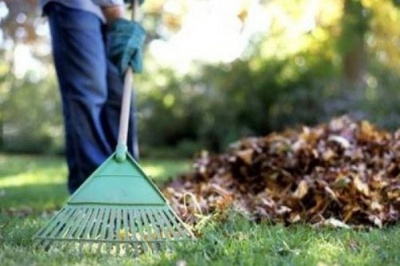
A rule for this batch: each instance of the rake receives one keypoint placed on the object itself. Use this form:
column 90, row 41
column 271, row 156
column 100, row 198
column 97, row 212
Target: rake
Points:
column 118, row 209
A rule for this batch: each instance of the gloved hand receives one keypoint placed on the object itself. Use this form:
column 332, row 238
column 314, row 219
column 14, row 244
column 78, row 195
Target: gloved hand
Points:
column 126, row 40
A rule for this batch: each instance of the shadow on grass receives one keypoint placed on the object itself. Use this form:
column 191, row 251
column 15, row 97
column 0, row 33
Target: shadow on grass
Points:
column 34, row 197
column 24, row 209
column 15, row 165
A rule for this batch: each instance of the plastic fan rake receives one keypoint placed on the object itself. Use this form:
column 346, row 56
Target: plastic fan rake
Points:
column 117, row 210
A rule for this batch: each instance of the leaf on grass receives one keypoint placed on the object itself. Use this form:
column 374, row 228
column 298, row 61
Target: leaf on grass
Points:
column 181, row 263
column 334, row 223
column 19, row 212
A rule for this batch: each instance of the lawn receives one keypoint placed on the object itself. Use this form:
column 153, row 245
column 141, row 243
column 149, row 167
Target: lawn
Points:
column 33, row 187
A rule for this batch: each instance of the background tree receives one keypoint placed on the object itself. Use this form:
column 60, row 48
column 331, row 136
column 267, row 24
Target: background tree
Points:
column 310, row 61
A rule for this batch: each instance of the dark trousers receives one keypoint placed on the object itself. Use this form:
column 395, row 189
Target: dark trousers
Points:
column 91, row 91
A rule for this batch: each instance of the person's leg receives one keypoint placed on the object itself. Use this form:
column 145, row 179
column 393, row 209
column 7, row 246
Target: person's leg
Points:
column 80, row 62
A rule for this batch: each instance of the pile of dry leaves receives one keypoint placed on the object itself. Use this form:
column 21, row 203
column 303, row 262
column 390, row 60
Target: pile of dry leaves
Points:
column 345, row 170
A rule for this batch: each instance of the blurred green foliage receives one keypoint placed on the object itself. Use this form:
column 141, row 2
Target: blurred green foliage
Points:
column 347, row 63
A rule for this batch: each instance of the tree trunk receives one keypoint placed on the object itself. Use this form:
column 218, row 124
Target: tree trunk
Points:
column 354, row 65
column 354, row 28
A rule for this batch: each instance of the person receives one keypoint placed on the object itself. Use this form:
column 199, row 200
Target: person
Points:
column 92, row 45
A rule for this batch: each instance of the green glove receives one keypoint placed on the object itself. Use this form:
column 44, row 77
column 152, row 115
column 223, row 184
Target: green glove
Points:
column 126, row 40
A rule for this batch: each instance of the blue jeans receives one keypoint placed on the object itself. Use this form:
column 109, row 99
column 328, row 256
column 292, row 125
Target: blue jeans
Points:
column 91, row 91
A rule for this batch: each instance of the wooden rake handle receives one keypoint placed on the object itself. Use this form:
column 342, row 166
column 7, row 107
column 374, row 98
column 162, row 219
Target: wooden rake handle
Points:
column 126, row 105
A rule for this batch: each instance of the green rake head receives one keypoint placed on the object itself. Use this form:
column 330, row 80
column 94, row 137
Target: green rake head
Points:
column 117, row 210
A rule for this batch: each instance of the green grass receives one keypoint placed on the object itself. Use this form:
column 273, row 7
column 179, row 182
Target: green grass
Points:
column 32, row 188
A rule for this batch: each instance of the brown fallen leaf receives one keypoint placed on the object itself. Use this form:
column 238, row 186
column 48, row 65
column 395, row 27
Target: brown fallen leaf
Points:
column 361, row 186
column 301, row 190
column 246, row 155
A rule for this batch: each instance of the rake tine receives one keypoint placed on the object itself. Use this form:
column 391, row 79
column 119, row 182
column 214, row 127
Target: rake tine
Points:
column 157, row 226
column 80, row 216
column 84, row 223
column 139, row 232
column 125, row 228
column 62, row 225
column 46, row 230
column 50, row 224
column 111, row 224
column 90, row 223
column 175, row 232
column 142, row 231
column 150, row 231
column 152, row 235
column 97, row 222
column 155, row 233
column 55, row 223
column 181, row 229
column 45, row 244
column 86, row 227
column 118, row 231
column 132, row 219
column 95, row 229
column 165, row 224
column 66, row 230
column 103, row 228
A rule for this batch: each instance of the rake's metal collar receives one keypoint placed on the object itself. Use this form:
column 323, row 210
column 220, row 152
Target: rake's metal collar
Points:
column 120, row 153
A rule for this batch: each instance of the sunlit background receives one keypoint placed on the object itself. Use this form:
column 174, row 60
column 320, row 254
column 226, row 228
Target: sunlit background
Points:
column 218, row 70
